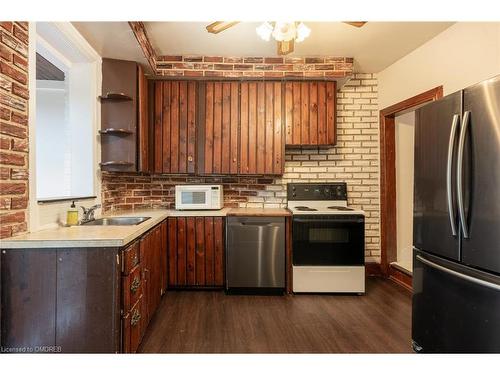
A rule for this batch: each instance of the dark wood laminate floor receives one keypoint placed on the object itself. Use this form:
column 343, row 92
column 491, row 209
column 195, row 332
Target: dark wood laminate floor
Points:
column 213, row 322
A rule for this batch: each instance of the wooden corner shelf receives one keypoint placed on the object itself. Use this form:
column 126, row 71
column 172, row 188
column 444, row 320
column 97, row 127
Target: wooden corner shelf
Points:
column 117, row 163
column 115, row 131
column 115, row 96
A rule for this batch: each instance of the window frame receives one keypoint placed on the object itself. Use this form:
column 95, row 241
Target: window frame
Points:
column 49, row 213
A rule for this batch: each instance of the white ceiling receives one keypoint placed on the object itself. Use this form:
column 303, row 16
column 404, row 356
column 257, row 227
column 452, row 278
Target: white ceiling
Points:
column 114, row 40
column 374, row 46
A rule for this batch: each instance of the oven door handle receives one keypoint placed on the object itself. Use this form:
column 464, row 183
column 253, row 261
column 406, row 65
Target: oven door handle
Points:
column 336, row 220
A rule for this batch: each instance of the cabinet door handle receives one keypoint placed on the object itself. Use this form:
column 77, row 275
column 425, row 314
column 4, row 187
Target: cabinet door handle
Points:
column 136, row 283
column 190, row 158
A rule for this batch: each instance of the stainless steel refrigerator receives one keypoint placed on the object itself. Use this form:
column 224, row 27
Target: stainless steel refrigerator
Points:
column 456, row 234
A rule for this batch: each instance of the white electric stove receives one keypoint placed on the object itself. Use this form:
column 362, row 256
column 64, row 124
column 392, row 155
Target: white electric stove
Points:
column 328, row 239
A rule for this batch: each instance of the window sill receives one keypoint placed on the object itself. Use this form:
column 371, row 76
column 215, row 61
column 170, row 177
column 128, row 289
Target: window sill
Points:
column 64, row 199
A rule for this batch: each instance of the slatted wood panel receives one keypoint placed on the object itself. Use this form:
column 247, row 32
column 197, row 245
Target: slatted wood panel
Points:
column 221, row 128
column 261, row 128
column 196, row 252
column 310, row 113
column 200, row 278
column 209, row 249
column 191, row 251
column 158, row 128
column 172, row 250
column 218, row 251
column 175, row 113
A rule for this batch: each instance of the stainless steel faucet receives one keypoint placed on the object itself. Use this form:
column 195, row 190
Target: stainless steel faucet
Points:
column 88, row 213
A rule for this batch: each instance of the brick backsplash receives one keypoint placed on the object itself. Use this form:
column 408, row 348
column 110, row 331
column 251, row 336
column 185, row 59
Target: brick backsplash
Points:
column 13, row 128
column 355, row 160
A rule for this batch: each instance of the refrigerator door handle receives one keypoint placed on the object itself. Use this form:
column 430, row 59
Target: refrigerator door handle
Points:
column 472, row 279
column 449, row 171
column 460, row 182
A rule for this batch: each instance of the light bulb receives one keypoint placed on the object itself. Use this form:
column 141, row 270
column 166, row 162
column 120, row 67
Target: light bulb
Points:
column 302, row 32
column 264, row 31
column 284, row 31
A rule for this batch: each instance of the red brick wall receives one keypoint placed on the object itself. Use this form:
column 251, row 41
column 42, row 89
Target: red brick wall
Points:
column 329, row 67
column 126, row 191
column 13, row 128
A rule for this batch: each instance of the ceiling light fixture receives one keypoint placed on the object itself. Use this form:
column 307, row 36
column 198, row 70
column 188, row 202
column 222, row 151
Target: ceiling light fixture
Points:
column 283, row 31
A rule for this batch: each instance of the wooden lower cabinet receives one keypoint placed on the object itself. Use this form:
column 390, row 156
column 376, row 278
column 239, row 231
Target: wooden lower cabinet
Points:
column 61, row 300
column 81, row 300
column 195, row 252
column 143, row 287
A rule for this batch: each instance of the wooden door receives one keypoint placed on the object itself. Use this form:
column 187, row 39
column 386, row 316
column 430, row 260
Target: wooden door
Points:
column 219, row 129
column 261, row 128
column 196, row 252
column 134, row 324
column 175, row 114
column 88, row 300
column 310, row 113
column 151, row 266
column 28, row 299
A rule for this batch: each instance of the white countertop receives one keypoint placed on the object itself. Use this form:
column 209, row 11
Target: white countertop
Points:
column 99, row 236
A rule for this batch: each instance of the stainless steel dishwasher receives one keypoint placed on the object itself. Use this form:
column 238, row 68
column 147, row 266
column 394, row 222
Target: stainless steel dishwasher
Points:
column 255, row 254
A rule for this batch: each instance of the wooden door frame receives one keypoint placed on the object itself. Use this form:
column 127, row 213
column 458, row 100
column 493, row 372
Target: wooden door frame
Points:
column 388, row 229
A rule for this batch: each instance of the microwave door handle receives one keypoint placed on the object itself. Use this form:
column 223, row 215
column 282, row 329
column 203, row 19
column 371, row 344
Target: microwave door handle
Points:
column 449, row 171
column 460, row 182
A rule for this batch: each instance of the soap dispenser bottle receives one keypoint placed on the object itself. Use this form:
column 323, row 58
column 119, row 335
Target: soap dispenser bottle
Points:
column 72, row 217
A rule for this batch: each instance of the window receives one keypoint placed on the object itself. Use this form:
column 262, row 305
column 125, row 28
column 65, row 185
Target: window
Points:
column 64, row 126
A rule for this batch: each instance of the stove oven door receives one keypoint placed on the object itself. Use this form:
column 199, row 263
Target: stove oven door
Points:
column 326, row 240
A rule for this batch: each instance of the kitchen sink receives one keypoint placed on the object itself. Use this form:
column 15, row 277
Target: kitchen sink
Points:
column 118, row 220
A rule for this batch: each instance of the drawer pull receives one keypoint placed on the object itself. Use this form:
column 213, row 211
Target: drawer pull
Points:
column 136, row 283
column 136, row 317
column 135, row 260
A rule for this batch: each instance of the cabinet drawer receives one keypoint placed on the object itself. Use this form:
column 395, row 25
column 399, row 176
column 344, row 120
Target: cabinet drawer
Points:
column 132, row 288
column 133, row 324
column 131, row 257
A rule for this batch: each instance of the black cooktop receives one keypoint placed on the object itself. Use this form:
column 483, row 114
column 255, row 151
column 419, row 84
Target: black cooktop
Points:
column 340, row 208
column 304, row 208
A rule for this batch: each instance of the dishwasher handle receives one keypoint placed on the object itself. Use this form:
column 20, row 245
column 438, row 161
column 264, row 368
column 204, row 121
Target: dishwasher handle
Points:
column 258, row 224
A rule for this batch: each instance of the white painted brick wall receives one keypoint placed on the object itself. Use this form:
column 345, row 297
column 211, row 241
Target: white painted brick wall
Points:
column 355, row 159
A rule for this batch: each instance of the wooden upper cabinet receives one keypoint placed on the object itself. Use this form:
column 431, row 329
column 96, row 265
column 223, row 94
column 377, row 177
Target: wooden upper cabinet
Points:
column 219, row 128
column 174, row 126
column 237, row 128
column 261, row 128
column 310, row 113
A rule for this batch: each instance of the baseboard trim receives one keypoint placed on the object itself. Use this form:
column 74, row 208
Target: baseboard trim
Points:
column 373, row 269
column 401, row 278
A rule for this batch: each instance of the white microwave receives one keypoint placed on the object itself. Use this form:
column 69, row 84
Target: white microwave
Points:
column 198, row 197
